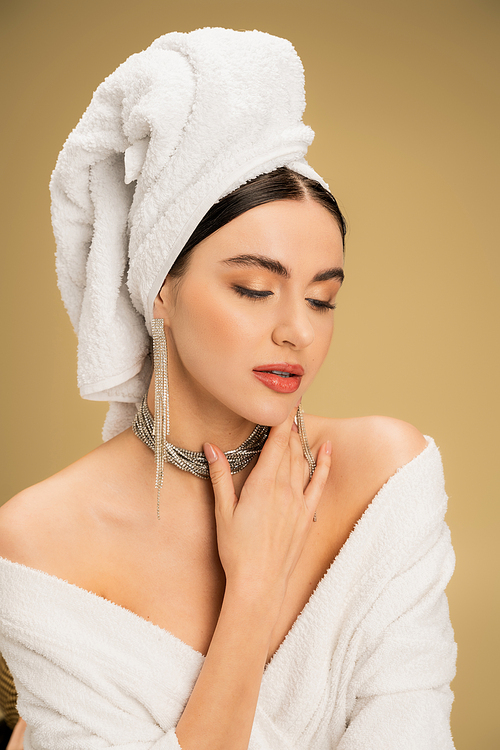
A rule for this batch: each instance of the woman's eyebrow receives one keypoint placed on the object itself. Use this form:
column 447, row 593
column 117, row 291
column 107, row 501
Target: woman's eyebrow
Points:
column 262, row 261
column 330, row 273
column 270, row 264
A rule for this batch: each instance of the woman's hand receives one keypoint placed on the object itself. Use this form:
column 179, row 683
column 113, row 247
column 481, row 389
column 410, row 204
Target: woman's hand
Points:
column 261, row 536
column 16, row 741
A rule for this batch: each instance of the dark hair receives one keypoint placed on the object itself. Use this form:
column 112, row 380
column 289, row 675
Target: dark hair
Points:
column 281, row 184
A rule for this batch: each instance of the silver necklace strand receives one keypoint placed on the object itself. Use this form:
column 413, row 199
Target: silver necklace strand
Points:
column 195, row 461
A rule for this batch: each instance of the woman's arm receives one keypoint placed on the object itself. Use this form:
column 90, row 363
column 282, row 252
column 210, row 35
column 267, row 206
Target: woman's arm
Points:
column 221, row 708
column 260, row 538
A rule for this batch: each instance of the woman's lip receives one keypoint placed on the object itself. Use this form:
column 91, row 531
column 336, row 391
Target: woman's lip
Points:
column 281, row 367
column 279, row 383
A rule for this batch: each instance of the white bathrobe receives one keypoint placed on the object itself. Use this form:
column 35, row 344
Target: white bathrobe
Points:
column 366, row 665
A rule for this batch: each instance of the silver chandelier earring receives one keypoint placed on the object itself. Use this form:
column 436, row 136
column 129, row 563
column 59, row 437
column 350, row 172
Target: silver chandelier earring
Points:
column 306, row 450
column 162, row 402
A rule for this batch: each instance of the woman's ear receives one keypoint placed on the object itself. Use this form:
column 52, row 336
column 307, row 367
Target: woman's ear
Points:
column 162, row 307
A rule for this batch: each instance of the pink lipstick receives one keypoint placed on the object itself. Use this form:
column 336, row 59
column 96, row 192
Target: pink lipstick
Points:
column 281, row 377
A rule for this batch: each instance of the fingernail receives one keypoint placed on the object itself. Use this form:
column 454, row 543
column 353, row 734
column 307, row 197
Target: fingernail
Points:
column 294, row 427
column 328, row 448
column 209, row 452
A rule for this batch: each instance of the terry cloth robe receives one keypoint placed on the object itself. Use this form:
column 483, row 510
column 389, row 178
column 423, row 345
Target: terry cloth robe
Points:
column 366, row 665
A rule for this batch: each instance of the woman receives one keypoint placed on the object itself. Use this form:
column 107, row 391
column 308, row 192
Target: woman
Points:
column 295, row 600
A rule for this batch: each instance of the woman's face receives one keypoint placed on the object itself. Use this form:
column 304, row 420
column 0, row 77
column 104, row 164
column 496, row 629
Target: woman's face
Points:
column 257, row 296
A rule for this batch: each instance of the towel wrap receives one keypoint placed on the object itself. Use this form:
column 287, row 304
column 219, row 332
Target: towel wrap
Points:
column 171, row 131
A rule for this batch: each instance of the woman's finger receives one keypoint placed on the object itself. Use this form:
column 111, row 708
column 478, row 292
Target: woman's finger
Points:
column 275, row 446
column 297, row 462
column 220, row 476
column 306, row 475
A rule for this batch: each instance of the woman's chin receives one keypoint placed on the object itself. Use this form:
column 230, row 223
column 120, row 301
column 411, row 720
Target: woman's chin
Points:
column 272, row 414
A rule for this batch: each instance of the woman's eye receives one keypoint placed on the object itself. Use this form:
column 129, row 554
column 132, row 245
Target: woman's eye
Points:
column 316, row 304
column 320, row 304
column 251, row 293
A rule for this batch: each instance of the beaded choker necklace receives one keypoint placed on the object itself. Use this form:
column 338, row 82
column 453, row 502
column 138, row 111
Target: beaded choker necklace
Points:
column 194, row 461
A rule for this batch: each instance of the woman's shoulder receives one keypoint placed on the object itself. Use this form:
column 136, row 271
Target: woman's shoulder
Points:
column 33, row 519
column 378, row 440
column 59, row 512
column 366, row 452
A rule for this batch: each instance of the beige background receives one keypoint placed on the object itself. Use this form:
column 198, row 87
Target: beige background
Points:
column 403, row 99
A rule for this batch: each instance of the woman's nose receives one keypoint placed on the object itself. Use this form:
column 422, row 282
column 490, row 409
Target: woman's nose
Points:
column 293, row 328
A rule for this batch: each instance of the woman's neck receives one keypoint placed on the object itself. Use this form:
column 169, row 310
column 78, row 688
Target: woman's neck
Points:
column 195, row 420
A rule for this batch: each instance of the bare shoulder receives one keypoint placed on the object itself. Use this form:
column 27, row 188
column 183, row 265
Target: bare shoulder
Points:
column 366, row 452
column 383, row 442
column 57, row 517
column 26, row 519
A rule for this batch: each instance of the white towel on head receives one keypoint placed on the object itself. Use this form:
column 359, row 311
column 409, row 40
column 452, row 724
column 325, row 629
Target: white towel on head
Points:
column 166, row 135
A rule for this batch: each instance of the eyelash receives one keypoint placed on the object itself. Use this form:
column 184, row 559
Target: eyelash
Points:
column 255, row 295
